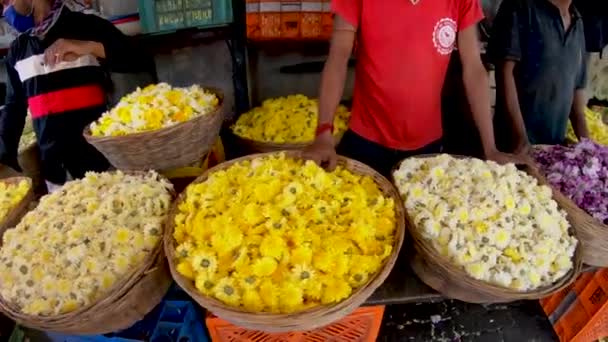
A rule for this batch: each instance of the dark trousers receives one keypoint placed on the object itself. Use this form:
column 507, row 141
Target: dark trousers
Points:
column 63, row 149
column 380, row 158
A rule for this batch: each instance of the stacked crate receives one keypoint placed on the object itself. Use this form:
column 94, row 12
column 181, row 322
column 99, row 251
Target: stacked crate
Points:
column 289, row 20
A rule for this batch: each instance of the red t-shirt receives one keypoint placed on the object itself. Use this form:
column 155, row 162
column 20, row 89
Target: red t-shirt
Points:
column 403, row 51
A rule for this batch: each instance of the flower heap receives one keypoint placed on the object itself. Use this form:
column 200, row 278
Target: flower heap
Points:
column 281, row 235
column 291, row 119
column 493, row 221
column 581, row 173
column 598, row 130
column 155, row 107
column 81, row 240
column 11, row 195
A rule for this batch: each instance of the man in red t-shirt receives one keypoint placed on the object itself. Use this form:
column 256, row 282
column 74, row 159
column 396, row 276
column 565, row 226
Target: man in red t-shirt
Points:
column 403, row 51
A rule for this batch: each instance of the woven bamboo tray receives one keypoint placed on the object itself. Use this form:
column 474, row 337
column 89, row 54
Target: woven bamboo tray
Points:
column 14, row 216
column 126, row 303
column 253, row 146
column 166, row 148
column 302, row 321
column 451, row 281
column 592, row 233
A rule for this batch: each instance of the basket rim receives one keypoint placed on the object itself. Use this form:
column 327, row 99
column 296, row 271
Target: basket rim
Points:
column 221, row 309
column 427, row 251
column 164, row 130
column 281, row 146
column 118, row 289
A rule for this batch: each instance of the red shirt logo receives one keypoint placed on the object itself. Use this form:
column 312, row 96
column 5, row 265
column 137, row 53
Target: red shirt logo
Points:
column 444, row 36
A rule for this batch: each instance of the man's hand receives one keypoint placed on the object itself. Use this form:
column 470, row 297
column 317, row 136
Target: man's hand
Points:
column 523, row 147
column 69, row 50
column 507, row 158
column 323, row 151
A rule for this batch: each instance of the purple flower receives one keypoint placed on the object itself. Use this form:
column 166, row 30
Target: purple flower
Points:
column 581, row 173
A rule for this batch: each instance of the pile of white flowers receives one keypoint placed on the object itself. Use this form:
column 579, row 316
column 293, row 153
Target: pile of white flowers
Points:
column 69, row 251
column 494, row 221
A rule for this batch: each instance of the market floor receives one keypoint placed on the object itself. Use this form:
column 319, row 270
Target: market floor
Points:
column 456, row 321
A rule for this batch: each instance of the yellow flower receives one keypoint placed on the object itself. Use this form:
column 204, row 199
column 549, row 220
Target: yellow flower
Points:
column 291, row 298
column 264, row 266
column 226, row 291
column 335, row 290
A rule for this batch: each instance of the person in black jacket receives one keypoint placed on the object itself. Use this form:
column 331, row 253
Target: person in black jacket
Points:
column 58, row 68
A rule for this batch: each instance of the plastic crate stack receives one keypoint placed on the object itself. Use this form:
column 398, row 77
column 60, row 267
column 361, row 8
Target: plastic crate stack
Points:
column 362, row 325
column 579, row 313
column 170, row 15
column 289, row 20
column 176, row 319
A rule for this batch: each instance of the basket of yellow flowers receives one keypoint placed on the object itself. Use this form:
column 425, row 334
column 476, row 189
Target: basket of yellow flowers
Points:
column 284, row 123
column 274, row 243
column 16, row 194
column 159, row 127
column 88, row 259
column 485, row 232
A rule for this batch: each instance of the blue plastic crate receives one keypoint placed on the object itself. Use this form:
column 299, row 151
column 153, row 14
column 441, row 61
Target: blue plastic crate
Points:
column 170, row 15
column 176, row 319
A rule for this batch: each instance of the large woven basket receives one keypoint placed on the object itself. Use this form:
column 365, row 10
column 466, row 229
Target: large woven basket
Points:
column 126, row 303
column 452, row 282
column 14, row 215
column 302, row 321
column 253, row 146
column 592, row 233
column 166, row 148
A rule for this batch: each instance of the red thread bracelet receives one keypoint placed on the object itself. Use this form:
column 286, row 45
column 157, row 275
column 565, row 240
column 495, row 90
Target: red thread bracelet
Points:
column 325, row 127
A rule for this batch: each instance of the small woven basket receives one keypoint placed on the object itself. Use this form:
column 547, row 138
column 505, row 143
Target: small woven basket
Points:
column 591, row 232
column 302, row 321
column 452, row 282
column 126, row 303
column 166, row 148
column 14, row 215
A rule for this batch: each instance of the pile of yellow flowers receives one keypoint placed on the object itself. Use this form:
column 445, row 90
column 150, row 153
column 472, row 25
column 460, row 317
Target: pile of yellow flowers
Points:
column 155, row 107
column 598, row 130
column 291, row 119
column 81, row 240
column 494, row 221
column 282, row 235
column 11, row 195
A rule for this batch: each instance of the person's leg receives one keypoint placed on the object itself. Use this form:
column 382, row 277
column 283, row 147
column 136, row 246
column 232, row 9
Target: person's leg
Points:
column 79, row 157
column 48, row 134
column 358, row 148
column 432, row 148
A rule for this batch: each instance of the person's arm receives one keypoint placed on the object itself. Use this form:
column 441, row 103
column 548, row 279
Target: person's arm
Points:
column 116, row 50
column 579, row 103
column 12, row 119
column 333, row 78
column 508, row 88
column 477, row 86
column 335, row 71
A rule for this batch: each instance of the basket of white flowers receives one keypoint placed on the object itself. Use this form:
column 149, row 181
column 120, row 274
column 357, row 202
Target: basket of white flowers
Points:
column 274, row 243
column 284, row 123
column 485, row 232
column 16, row 194
column 88, row 259
column 159, row 127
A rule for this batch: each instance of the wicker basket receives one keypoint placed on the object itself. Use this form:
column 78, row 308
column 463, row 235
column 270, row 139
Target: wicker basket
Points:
column 592, row 233
column 126, row 303
column 166, row 148
column 14, row 216
column 451, row 281
column 302, row 321
column 253, row 146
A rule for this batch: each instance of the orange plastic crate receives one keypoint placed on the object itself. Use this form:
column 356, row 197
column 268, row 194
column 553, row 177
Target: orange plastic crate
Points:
column 362, row 325
column 579, row 313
